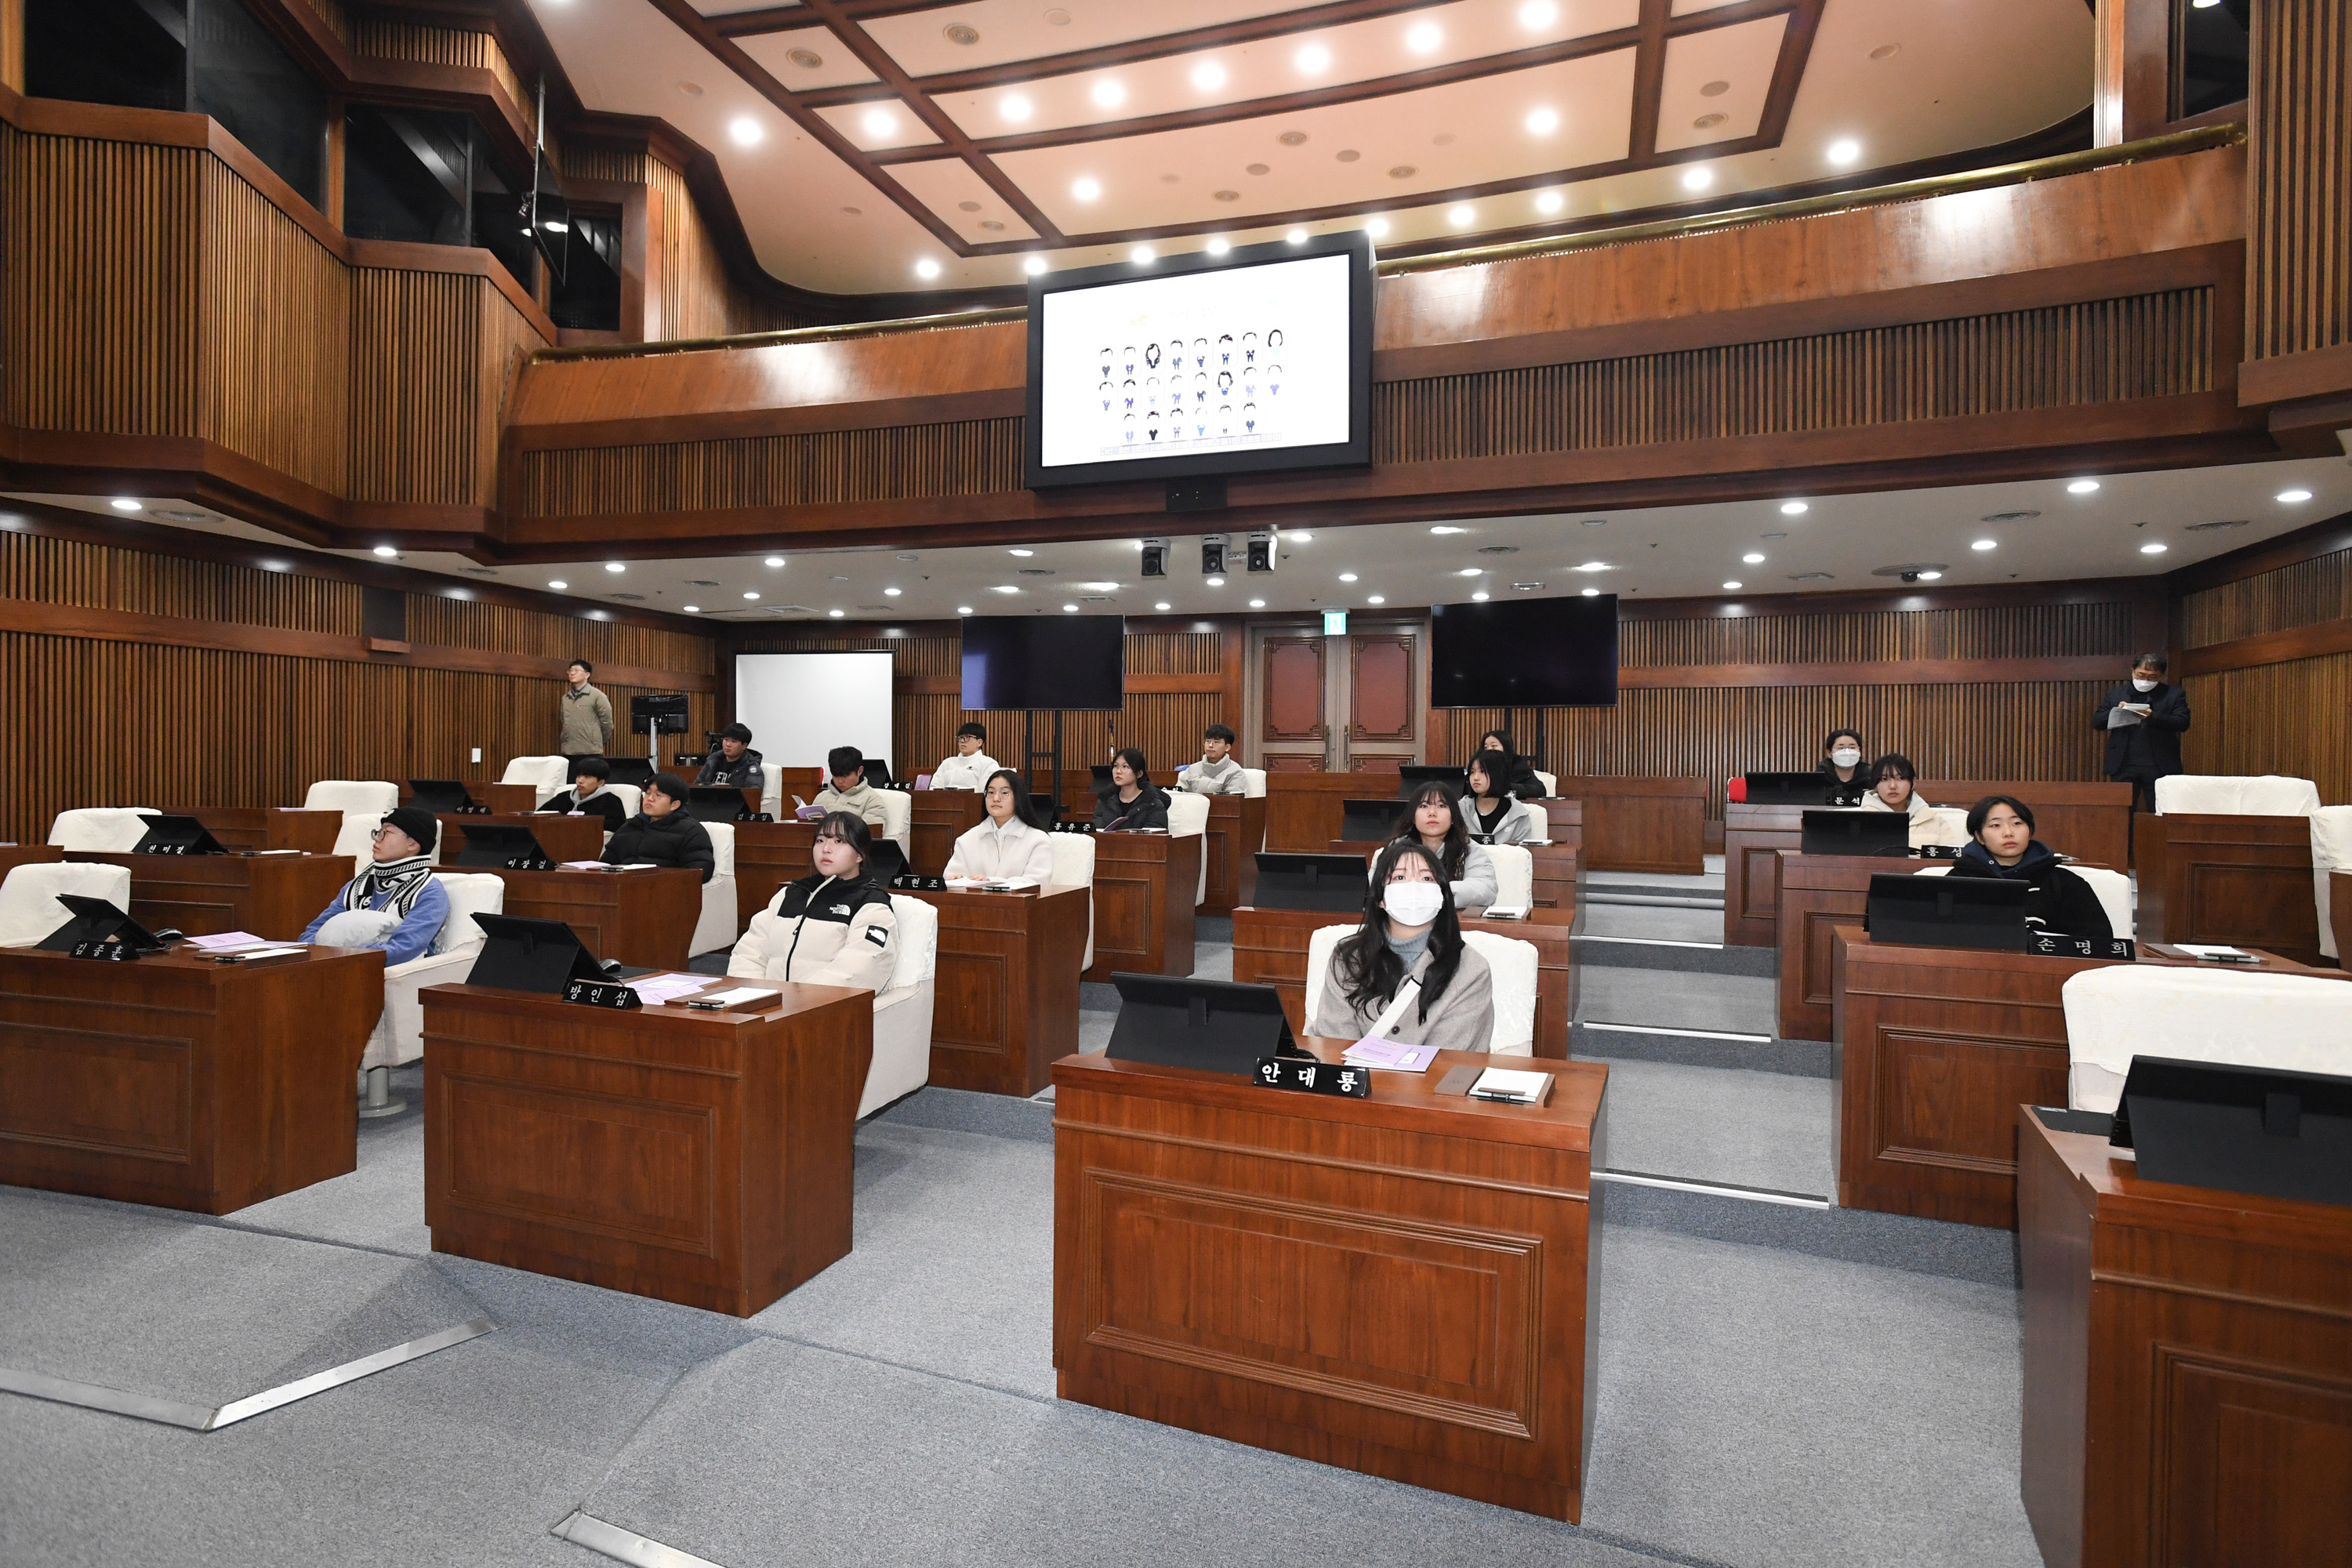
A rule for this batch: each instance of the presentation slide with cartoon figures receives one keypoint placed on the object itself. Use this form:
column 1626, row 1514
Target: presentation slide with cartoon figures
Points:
column 1246, row 360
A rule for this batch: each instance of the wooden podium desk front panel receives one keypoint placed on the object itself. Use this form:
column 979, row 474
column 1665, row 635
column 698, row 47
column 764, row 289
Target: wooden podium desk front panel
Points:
column 267, row 826
column 2241, row 882
column 645, row 919
column 1404, row 1285
column 181, row 1083
column 564, row 838
column 1143, row 890
column 1752, row 835
column 1005, row 999
column 275, row 896
column 767, row 856
column 1641, row 824
column 696, row 1157
column 1236, row 832
column 15, row 855
column 940, row 817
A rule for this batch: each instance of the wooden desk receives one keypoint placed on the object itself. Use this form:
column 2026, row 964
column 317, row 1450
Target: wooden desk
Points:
column 2089, row 821
column 181, row 1083
column 267, row 826
column 1752, row 836
column 2188, row 1361
column 505, row 798
column 1935, row 1049
column 1303, row 811
column 1564, row 820
column 1005, row 1002
column 273, row 896
column 2240, row 880
column 1144, row 884
column 1819, row 894
column 1407, row 1286
column 1236, row 832
column 15, row 855
column 564, row 838
column 643, row 919
column 694, row 1157
column 1643, row 823
column 940, row 817
column 1270, row 949
column 767, row 856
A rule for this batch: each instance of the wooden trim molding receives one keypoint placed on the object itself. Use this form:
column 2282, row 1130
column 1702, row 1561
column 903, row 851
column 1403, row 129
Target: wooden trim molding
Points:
column 1213, row 681
column 2284, row 647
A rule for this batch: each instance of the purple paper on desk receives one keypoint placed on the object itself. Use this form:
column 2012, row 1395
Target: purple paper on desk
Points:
column 1389, row 1055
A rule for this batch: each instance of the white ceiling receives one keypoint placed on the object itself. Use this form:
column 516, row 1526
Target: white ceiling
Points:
column 1664, row 552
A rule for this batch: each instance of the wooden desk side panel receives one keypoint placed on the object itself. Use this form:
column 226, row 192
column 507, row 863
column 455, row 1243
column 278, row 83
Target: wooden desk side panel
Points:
column 641, row 917
column 2088, row 821
column 207, row 895
column 767, row 856
column 2240, row 880
column 1236, row 832
column 15, row 855
column 1303, row 810
column 1751, row 880
column 1005, row 996
column 939, row 818
column 1409, row 1306
column 2054, row 1254
column 1144, row 890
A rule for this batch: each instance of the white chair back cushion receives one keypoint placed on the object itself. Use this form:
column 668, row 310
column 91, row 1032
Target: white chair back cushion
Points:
column 2331, row 850
column 2234, row 795
column 632, row 798
column 353, row 796
column 1512, row 963
column 898, row 819
column 356, row 838
column 1321, row 943
column 545, row 772
column 1253, row 781
column 1188, row 814
column 2298, row 1023
column 100, row 829
column 1074, row 867
column 918, row 943
column 29, row 910
column 1551, row 781
column 2113, row 888
column 1514, row 874
column 470, row 894
column 722, row 848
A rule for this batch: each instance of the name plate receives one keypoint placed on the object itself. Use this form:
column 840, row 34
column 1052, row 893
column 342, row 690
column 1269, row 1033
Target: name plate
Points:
column 168, row 850
column 104, row 951
column 1938, row 852
column 470, row 809
column 2058, row 944
column 529, row 863
column 603, row 994
column 1304, row 1077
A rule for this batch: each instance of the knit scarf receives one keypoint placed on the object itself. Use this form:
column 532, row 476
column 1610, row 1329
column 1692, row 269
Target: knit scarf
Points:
column 403, row 879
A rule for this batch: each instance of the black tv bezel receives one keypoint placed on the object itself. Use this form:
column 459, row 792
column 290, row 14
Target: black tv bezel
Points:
column 1355, row 451
column 1616, row 685
column 965, row 622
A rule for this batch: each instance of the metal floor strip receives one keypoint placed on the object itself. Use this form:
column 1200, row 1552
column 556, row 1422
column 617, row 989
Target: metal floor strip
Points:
column 201, row 1418
column 624, row 1545
column 1686, row 1034
column 1715, row 1189
column 1648, row 941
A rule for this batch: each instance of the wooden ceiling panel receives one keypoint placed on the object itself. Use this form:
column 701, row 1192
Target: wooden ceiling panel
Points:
column 950, row 188
column 1716, row 83
column 881, row 126
column 835, row 66
column 1693, row 7
column 1016, row 30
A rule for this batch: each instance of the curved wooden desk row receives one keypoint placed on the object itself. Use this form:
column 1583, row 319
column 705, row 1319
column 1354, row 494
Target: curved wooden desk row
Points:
column 1621, row 823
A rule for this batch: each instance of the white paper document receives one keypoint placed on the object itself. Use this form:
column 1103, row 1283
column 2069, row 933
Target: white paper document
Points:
column 653, row 989
column 224, row 940
column 1521, row 1087
column 2225, row 955
column 999, row 884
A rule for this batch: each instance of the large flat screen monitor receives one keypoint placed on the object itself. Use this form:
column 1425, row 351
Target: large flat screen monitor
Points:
column 1527, row 653
column 1256, row 360
column 1064, row 661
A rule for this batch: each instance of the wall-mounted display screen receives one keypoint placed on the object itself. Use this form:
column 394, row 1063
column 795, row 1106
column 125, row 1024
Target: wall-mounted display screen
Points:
column 1065, row 661
column 1257, row 360
column 1528, row 653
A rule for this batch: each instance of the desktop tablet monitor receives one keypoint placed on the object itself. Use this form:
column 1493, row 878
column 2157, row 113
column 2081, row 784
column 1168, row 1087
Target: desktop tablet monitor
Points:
column 97, row 919
column 1946, row 912
column 2241, row 1129
column 508, row 845
column 1370, row 821
column 715, row 803
column 1331, row 882
column 1102, row 778
column 1827, row 832
column 177, row 836
column 877, row 772
column 629, row 771
column 521, row 955
column 1788, row 789
column 438, row 795
column 1215, row 1026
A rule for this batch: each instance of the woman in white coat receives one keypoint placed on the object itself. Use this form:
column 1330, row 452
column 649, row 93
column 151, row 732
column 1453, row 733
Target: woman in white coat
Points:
column 1008, row 842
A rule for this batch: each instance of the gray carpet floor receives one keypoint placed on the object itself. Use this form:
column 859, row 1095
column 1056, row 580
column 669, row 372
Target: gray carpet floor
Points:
column 1654, row 921
column 1714, row 1124
column 1733, row 1004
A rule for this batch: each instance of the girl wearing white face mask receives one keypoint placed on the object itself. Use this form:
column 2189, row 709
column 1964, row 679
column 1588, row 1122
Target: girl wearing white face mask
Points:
column 1406, row 974
column 1843, row 778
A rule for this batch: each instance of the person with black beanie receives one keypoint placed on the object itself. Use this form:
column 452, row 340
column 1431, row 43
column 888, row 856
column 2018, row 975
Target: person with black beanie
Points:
column 394, row 903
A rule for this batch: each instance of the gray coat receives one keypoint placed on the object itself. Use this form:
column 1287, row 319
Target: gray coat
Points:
column 587, row 723
column 1461, row 1020
column 1518, row 823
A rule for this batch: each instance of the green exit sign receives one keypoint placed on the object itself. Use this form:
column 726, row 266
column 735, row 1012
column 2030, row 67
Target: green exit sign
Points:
column 1335, row 622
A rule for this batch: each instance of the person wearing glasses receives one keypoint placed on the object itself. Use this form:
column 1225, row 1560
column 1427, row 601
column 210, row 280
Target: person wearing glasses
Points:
column 664, row 833
column 834, row 926
column 395, row 904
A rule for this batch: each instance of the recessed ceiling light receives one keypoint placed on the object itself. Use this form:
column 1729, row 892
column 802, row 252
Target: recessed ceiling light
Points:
column 1109, row 94
column 889, row 593
column 836, row 614
column 1015, row 108
column 745, row 131
column 1470, row 571
column 1542, row 122
column 2082, row 487
column 1539, row 13
column 1142, row 254
column 1734, row 583
column 559, row 584
column 774, row 561
column 1594, row 566
column 2152, row 548
column 749, row 594
column 1422, row 37
column 963, row 609
column 1697, row 179
column 1377, row 228
column 1087, row 189
column 387, row 551
column 1004, row 588
column 1593, row 593
column 1296, row 236
column 1347, row 576
column 1443, row 528
column 2294, row 496
column 1462, row 217
column 1794, row 508
column 1551, row 202
column 1754, row 558
column 691, row 609
column 1070, row 609
column 1986, row 545
column 1162, row 606
column 614, row 566
column 1842, row 153
column 1375, row 599
column 1479, row 597
column 880, row 123
column 124, row 504
column 1216, row 582
column 1299, row 537
column 1257, row 603
column 1208, row 76
column 1218, row 245
column 1025, row 554
column 1314, row 60
column 1034, row 266
column 927, row 268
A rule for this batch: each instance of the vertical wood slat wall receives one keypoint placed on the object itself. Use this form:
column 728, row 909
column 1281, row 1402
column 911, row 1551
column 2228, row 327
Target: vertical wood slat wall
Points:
column 2287, row 718
column 2299, row 178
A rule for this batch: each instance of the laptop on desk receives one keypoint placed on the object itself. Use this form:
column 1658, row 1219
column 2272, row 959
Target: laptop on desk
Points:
column 1215, row 1026
column 1946, row 912
column 1884, row 833
column 1330, row 882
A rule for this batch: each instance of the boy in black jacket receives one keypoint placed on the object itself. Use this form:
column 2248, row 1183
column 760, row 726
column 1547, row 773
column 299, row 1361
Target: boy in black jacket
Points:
column 664, row 834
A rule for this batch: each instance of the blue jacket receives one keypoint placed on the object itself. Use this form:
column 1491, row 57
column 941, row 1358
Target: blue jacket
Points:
column 412, row 937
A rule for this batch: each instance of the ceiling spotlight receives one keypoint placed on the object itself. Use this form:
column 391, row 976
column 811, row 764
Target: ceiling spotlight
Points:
column 1845, row 152
column 1794, row 508
column 1034, row 266
column 1257, row 603
column 1539, row 13
column 745, row 131
column 1208, row 76
column 1300, row 537
column 1461, row 216
column 2290, row 498
column 1594, row 566
column 1141, row 255
column 774, row 561
column 1931, row 575
column 1470, row 571
column 691, row 609
column 1087, row 189
column 1070, row 609
column 1296, row 236
column 1754, row 558
column 1542, row 122
column 927, row 268
column 387, row 551
column 2082, row 487
column 1551, row 202
column 836, row 614
column 1109, row 94
column 1347, row 576
column 559, row 584
column 1423, row 38
column 1218, row 245
column 880, row 123
column 1015, row 109
column 1734, row 583
column 1314, row 60
column 124, row 504
column 1375, row 599
column 1479, row 597
column 889, row 593
column 1377, row 228
column 1593, row 593
column 2152, row 548
column 1697, row 179
column 1443, row 528
column 614, row 566
column 1025, row 554
column 1162, row 606
column 963, row 609
column 1215, row 582
column 751, row 594
column 1986, row 545
column 1004, row 588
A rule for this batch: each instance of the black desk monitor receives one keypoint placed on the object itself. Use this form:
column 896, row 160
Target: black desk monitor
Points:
column 629, row 771
column 1413, row 775
column 1102, row 778
column 1215, row 1026
column 177, row 836
column 438, row 795
column 2240, row 1129
column 715, row 803
column 1041, row 804
column 877, row 772
column 510, row 845
column 521, row 954
column 887, row 860
column 1375, row 820
column 1855, row 833
column 1789, row 789
column 1333, row 882
column 1946, row 912
column 97, row 919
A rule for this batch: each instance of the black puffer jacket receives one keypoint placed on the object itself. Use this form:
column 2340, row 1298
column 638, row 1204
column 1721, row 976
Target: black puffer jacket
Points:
column 673, row 840
column 1148, row 809
column 2056, row 898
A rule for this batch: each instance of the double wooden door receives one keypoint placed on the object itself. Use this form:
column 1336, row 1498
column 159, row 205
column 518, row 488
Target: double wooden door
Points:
column 1347, row 703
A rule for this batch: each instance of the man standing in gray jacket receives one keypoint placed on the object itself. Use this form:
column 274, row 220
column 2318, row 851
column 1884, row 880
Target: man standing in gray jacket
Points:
column 587, row 730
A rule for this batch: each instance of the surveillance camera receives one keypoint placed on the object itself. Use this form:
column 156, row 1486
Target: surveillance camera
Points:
column 1213, row 555
column 1261, row 553
column 1910, row 576
column 1155, row 558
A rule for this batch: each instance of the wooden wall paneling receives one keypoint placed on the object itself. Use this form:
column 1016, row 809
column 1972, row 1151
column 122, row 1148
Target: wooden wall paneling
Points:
column 2299, row 594
column 2275, row 719
column 2299, row 187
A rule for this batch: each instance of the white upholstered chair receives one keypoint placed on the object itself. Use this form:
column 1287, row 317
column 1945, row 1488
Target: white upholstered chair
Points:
column 1511, row 961
column 2234, row 795
column 1551, row 781
column 1253, row 781
column 771, row 790
column 2294, row 1022
column 1074, row 867
column 898, row 820
column 546, row 774
column 362, row 803
column 1514, row 874
column 2331, row 850
column 715, row 932
column 902, row 1010
column 29, row 910
column 632, row 798
column 399, row 1034
column 1188, row 817
column 2115, row 890
column 100, row 829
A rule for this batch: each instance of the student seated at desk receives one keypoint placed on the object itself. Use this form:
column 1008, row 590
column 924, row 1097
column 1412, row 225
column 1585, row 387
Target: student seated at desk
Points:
column 734, row 766
column 1433, row 820
column 1216, row 773
column 589, row 798
column 1522, row 781
column 394, row 904
column 664, row 834
column 1893, row 787
column 1843, row 782
column 970, row 766
column 1009, row 842
column 1490, row 813
column 2002, row 843
column 849, row 791
column 832, row 927
column 1406, row 975
column 1133, row 802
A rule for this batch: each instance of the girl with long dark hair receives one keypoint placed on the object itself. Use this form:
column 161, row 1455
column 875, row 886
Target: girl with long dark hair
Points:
column 1433, row 820
column 1489, row 812
column 1008, row 841
column 1405, row 974
column 834, row 926
column 1132, row 803
column 1521, row 771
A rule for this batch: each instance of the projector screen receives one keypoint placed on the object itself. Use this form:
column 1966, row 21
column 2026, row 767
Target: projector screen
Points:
column 801, row 705
column 1527, row 653
column 1260, row 359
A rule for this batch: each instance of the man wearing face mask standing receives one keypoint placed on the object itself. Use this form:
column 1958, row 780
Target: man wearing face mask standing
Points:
column 2144, row 719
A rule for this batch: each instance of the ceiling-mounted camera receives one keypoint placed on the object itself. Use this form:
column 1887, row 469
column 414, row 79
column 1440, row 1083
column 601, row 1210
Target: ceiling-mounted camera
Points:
column 1261, row 553
column 1155, row 558
column 1213, row 555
